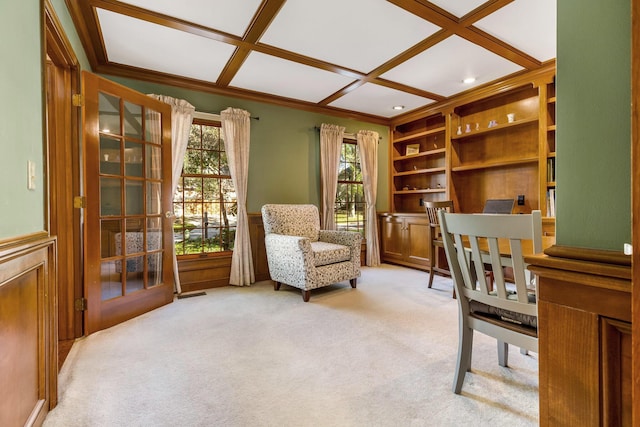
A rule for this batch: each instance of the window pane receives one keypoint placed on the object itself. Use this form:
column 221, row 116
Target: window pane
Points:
column 205, row 200
column 132, row 120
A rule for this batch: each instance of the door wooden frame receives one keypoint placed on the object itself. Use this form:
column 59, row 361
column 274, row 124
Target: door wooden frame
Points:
column 635, row 206
column 62, row 81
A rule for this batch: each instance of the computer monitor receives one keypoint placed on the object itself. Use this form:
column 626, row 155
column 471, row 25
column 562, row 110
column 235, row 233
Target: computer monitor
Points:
column 498, row 206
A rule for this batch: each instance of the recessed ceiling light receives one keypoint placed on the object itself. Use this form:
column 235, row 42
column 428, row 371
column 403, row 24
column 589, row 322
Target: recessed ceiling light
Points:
column 469, row 80
column 398, row 107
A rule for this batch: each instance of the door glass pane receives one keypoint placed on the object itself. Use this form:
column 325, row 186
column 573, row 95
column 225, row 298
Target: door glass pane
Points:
column 153, row 131
column 154, row 198
column 111, row 279
column 153, row 162
column 132, row 120
column 133, row 159
column 109, row 114
column 154, row 274
column 133, row 197
column 109, row 228
column 110, row 192
column 135, row 274
column 109, row 155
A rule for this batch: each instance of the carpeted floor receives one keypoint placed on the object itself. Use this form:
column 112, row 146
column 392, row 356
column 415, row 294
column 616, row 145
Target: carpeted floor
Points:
column 379, row 355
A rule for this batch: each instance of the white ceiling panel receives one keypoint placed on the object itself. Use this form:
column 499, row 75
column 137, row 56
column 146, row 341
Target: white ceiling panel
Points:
column 130, row 41
column 268, row 74
column 458, row 8
column 526, row 25
column 232, row 17
column 356, row 34
column 442, row 68
column 379, row 100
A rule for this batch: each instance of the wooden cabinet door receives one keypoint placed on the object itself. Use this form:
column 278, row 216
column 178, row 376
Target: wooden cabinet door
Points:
column 418, row 251
column 128, row 237
column 392, row 238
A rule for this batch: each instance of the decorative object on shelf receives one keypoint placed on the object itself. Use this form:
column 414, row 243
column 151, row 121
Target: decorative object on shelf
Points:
column 492, row 123
column 468, row 128
column 415, row 168
column 106, row 157
column 412, row 149
column 459, row 132
column 405, row 188
column 511, row 117
column 477, row 126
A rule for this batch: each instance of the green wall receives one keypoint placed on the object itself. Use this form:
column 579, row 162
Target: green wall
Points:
column 284, row 160
column 593, row 119
column 21, row 119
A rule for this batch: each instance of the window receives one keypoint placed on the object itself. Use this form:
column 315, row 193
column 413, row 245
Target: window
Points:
column 205, row 201
column 350, row 205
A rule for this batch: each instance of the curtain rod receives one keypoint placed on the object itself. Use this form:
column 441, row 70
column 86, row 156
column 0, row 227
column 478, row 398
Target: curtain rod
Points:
column 213, row 116
column 348, row 135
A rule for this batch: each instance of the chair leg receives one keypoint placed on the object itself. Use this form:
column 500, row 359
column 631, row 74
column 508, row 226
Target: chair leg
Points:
column 430, row 276
column 503, row 353
column 465, row 345
column 276, row 286
column 306, row 295
column 353, row 282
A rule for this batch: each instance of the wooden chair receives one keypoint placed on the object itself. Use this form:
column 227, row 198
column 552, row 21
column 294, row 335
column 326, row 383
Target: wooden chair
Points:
column 507, row 313
column 432, row 209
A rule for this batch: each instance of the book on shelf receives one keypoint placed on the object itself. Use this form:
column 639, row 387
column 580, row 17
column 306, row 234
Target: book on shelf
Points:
column 551, row 202
column 551, row 170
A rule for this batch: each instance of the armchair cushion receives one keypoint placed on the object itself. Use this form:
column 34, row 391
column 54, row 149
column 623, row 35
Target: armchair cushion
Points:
column 325, row 253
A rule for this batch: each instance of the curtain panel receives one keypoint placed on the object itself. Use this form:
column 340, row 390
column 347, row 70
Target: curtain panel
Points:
column 181, row 118
column 368, row 145
column 236, row 127
column 330, row 146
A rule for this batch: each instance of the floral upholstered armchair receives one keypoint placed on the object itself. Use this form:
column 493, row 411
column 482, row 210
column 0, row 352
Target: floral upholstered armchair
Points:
column 303, row 256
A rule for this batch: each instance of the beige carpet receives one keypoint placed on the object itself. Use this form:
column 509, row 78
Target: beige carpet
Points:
column 379, row 355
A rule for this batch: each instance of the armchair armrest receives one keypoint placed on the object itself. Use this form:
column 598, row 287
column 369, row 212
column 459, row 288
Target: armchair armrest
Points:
column 288, row 256
column 347, row 238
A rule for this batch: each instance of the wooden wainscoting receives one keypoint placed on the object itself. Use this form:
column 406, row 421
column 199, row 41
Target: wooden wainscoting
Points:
column 258, row 251
column 28, row 332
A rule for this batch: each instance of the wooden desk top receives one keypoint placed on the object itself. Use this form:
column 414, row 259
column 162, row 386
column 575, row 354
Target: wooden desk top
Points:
column 505, row 249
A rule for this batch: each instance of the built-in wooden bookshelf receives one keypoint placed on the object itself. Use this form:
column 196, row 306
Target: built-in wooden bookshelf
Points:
column 419, row 163
column 495, row 142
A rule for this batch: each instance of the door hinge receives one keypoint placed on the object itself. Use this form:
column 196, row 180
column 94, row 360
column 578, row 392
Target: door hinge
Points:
column 77, row 99
column 79, row 202
column 80, row 304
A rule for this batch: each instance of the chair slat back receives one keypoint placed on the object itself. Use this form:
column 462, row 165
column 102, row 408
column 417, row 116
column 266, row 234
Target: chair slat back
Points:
column 432, row 209
column 472, row 240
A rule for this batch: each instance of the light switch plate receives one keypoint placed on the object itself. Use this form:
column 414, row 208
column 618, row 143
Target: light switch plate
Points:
column 31, row 175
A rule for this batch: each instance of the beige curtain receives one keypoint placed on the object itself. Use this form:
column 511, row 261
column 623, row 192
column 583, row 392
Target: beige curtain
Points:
column 330, row 146
column 236, row 128
column 368, row 145
column 181, row 118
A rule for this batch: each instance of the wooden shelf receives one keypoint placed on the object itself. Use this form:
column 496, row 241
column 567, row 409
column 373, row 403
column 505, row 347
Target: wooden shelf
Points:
column 496, row 128
column 551, row 128
column 551, row 184
column 551, row 155
column 422, row 154
column 421, row 191
column 489, row 165
column 419, row 134
column 551, row 100
column 420, row 171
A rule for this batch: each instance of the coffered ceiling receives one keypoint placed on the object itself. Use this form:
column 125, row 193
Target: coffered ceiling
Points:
column 354, row 58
